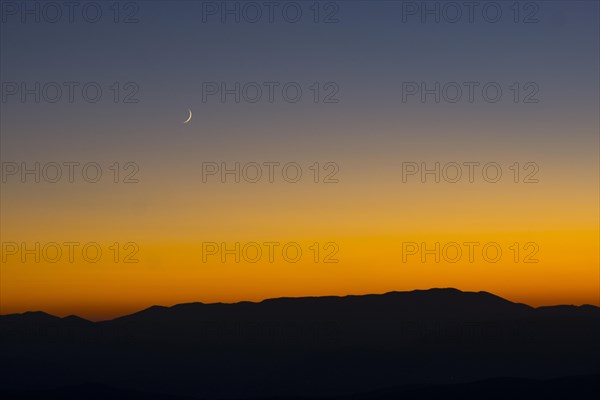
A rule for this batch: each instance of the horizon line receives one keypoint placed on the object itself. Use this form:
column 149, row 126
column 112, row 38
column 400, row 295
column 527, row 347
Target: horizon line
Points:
column 293, row 298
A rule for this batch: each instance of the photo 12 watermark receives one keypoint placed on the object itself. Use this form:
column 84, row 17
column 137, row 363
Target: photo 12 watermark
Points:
column 69, row 92
column 270, row 92
column 271, row 12
column 69, row 172
column 270, row 172
column 70, row 252
column 269, row 252
column 69, row 12
column 470, row 172
column 470, row 12
column 469, row 92
column 490, row 252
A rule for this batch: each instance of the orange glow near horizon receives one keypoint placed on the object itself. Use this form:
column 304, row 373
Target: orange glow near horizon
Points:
column 367, row 222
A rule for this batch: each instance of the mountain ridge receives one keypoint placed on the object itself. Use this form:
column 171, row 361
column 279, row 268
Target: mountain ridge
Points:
column 304, row 346
column 269, row 301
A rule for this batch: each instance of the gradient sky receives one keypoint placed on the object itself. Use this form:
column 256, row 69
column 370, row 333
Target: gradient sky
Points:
column 369, row 134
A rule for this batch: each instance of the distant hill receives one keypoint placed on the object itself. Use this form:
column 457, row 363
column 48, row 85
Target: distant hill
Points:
column 311, row 346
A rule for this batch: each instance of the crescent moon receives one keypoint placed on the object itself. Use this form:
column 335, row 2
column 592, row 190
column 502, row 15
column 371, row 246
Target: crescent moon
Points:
column 189, row 118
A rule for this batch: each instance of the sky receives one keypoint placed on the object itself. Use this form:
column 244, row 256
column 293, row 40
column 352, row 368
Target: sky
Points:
column 335, row 148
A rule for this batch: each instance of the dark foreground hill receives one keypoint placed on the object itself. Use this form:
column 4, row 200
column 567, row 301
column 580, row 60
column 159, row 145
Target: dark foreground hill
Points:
column 580, row 387
column 322, row 346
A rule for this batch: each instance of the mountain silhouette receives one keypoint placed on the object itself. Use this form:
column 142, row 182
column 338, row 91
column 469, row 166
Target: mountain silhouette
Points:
column 309, row 346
